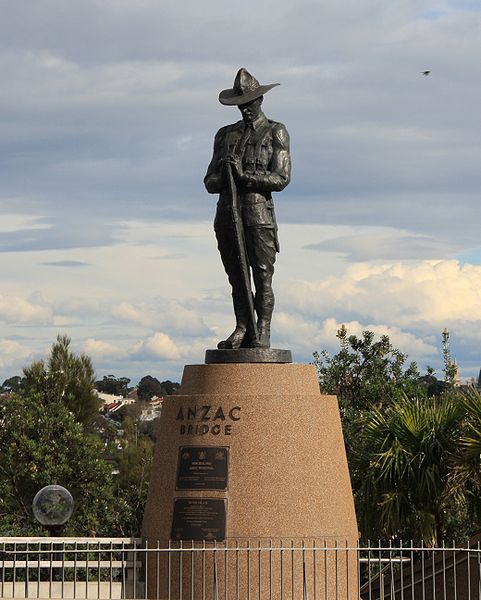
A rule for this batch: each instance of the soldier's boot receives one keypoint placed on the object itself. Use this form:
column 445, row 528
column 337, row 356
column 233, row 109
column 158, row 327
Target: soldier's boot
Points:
column 264, row 334
column 237, row 336
column 235, row 339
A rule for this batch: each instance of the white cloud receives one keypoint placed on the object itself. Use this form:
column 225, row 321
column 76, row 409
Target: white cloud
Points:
column 169, row 315
column 62, row 321
column 184, row 320
column 14, row 309
column 127, row 312
column 101, row 349
column 305, row 335
column 435, row 292
column 98, row 110
column 17, row 222
column 393, row 245
column 159, row 345
column 13, row 354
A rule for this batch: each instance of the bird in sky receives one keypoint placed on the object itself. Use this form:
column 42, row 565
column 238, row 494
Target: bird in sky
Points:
column 425, row 73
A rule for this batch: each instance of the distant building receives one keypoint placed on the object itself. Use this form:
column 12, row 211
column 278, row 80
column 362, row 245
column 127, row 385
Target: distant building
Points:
column 112, row 403
column 112, row 407
column 153, row 409
column 133, row 395
column 108, row 398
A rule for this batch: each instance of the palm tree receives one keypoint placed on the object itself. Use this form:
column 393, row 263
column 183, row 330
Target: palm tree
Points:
column 401, row 467
column 466, row 480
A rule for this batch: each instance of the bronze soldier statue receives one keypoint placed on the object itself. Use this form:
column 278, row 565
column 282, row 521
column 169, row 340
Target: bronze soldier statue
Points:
column 251, row 160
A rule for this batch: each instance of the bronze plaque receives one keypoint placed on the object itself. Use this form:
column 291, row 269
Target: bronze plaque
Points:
column 202, row 468
column 199, row 519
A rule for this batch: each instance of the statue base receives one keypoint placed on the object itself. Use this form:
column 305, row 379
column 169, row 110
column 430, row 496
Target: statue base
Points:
column 248, row 355
column 250, row 493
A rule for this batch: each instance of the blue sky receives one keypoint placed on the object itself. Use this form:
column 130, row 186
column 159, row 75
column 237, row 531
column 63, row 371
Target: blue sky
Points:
column 107, row 116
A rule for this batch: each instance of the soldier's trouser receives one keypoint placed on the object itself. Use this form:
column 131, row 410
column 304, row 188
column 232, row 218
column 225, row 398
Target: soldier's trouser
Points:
column 261, row 250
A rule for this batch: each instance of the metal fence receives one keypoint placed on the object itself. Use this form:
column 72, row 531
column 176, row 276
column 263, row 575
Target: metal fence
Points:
column 69, row 567
column 236, row 570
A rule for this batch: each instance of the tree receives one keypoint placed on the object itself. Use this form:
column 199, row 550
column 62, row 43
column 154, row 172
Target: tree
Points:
column 13, row 384
column 402, row 434
column 466, row 478
column 66, row 378
column 110, row 384
column 169, row 387
column 130, row 411
column 450, row 368
column 135, row 463
column 47, row 437
column 401, row 470
column 148, row 387
column 41, row 444
column 365, row 372
column 432, row 385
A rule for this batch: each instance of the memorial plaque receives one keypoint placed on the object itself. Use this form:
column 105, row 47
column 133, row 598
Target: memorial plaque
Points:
column 199, row 519
column 202, row 468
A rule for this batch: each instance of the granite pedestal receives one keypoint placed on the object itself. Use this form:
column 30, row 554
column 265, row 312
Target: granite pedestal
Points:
column 249, row 461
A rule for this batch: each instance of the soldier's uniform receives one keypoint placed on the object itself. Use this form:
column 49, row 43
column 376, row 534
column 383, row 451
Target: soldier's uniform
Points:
column 262, row 148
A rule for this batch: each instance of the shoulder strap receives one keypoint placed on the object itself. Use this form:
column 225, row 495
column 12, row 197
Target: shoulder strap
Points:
column 233, row 146
column 262, row 136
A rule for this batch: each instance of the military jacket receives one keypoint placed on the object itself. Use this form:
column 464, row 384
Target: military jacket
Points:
column 263, row 149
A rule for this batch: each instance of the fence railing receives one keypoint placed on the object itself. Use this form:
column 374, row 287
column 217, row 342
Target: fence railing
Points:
column 69, row 567
column 236, row 570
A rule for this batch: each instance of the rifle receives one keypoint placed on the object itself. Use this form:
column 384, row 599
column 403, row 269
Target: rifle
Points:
column 242, row 253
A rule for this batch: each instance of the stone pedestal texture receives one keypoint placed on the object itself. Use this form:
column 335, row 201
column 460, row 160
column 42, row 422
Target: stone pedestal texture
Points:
column 287, row 486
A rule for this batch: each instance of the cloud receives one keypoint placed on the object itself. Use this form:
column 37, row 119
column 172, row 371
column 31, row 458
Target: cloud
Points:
column 127, row 312
column 172, row 256
column 14, row 309
column 106, row 127
column 102, row 349
column 434, row 292
column 57, row 236
column 157, row 346
column 66, row 263
column 12, row 222
column 84, row 307
column 382, row 246
column 171, row 315
column 13, row 354
column 123, row 355
column 318, row 335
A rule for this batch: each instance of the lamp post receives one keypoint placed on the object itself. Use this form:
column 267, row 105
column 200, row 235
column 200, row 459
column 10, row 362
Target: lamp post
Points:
column 53, row 507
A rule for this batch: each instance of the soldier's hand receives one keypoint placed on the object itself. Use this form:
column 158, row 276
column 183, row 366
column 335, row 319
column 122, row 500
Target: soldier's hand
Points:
column 227, row 160
column 236, row 165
